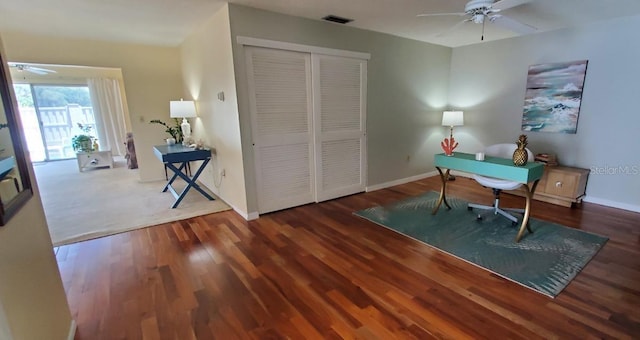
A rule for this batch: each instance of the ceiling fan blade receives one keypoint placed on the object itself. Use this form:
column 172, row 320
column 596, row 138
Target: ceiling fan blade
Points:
column 452, row 28
column 35, row 71
column 32, row 69
column 506, row 4
column 512, row 25
column 39, row 70
column 441, row 14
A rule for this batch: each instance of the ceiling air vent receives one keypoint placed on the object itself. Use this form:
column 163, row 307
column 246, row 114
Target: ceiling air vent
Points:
column 337, row 19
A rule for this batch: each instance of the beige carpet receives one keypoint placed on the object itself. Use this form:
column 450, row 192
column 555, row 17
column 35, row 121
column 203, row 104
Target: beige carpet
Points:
column 104, row 201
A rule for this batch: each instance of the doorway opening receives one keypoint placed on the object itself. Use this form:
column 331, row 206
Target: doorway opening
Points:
column 51, row 115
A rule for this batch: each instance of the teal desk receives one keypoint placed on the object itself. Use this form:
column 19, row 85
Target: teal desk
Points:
column 179, row 154
column 501, row 168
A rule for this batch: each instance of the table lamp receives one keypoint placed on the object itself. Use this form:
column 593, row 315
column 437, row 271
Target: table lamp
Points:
column 183, row 109
column 451, row 119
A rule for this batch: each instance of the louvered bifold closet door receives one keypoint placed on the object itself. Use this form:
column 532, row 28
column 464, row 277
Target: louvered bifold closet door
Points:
column 339, row 122
column 280, row 99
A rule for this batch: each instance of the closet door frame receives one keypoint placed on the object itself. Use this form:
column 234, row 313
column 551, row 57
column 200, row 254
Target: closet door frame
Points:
column 272, row 44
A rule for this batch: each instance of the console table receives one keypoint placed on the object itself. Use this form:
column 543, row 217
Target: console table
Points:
column 500, row 168
column 171, row 155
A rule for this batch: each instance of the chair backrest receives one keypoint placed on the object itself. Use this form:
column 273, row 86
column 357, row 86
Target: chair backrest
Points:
column 505, row 150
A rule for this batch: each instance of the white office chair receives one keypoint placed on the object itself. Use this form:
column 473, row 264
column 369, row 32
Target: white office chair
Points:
column 502, row 151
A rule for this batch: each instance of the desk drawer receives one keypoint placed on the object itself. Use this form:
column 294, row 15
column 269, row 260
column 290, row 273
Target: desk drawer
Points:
column 561, row 183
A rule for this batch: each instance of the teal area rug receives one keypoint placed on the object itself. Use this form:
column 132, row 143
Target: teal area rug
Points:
column 545, row 261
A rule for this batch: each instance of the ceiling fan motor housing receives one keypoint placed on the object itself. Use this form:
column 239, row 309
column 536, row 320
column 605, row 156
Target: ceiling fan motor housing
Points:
column 475, row 6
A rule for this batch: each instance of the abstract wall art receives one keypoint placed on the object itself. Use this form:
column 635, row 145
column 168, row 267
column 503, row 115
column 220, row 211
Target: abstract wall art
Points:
column 553, row 97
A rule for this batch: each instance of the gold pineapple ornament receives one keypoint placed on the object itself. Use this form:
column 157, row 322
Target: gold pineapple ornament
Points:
column 520, row 155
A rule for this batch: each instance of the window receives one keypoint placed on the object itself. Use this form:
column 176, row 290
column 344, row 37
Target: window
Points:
column 50, row 116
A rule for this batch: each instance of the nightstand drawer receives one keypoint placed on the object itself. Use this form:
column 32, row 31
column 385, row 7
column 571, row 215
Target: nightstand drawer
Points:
column 562, row 183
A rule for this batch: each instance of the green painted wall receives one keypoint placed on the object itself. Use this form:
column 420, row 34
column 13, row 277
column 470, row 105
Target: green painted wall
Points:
column 407, row 89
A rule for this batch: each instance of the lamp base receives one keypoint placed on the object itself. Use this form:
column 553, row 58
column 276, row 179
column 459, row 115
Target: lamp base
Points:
column 186, row 131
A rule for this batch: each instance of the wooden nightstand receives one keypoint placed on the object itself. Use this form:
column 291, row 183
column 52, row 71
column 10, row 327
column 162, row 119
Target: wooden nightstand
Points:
column 560, row 185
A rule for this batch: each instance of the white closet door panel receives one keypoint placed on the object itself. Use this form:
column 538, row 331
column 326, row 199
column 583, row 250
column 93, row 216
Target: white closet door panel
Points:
column 287, row 171
column 280, row 101
column 340, row 91
column 281, row 88
column 341, row 169
column 339, row 113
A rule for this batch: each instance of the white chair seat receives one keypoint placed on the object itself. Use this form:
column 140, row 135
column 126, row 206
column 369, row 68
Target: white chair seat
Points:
column 496, row 183
column 502, row 151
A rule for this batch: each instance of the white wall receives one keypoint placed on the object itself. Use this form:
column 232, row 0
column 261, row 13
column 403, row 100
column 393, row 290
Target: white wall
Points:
column 207, row 67
column 488, row 82
column 5, row 332
column 407, row 89
column 152, row 78
column 33, row 304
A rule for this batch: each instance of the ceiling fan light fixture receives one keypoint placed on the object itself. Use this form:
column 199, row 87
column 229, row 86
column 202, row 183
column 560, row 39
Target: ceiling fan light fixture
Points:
column 478, row 18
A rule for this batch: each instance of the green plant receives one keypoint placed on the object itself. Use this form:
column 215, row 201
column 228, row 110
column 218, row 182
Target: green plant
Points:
column 83, row 142
column 174, row 131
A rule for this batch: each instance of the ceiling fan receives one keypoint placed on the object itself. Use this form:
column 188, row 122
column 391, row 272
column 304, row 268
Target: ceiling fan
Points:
column 30, row 68
column 481, row 11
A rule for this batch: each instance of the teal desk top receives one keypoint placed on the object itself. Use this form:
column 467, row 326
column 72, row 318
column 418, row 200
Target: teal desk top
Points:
column 501, row 168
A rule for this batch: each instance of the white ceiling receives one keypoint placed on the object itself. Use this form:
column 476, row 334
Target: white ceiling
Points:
column 168, row 22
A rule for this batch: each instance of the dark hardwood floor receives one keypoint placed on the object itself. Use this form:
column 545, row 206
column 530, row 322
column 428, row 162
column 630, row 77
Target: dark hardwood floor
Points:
column 318, row 271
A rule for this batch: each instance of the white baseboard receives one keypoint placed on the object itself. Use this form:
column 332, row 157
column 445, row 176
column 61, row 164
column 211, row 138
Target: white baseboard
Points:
column 253, row 216
column 247, row 216
column 612, row 204
column 412, row 179
column 400, row 181
column 72, row 330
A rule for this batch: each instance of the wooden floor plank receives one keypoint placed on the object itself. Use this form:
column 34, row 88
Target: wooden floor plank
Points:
column 318, row 271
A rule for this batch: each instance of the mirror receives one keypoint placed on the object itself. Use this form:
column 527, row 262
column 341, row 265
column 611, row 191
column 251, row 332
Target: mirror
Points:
column 15, row 185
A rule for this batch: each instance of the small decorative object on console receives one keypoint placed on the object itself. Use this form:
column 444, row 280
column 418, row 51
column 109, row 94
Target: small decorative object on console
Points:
column 448, row 145
column 520, row 155
column 547, row 159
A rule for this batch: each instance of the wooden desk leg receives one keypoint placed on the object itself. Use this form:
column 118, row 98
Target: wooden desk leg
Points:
column 527, row 210
column 443, row 198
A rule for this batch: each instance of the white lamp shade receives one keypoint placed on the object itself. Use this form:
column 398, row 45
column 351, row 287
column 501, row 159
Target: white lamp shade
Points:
column 452, row 118
column 182, row 109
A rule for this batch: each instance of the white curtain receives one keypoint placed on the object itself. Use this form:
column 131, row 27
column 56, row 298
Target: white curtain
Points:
column 108, row 111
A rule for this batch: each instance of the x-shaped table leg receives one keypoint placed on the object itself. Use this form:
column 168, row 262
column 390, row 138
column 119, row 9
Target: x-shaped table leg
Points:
column 191, row 182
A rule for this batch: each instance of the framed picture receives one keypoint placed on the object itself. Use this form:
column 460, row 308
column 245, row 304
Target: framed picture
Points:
column 553, row 97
